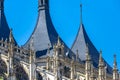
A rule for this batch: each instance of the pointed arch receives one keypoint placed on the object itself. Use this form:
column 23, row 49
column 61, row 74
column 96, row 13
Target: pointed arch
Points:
column 39, row 76
column 20, row 73
column 3, row 69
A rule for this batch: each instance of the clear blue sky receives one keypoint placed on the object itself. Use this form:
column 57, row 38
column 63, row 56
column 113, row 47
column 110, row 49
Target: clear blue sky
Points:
column 101, row 19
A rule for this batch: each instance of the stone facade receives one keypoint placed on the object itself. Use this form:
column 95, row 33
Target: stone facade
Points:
column 50, row 59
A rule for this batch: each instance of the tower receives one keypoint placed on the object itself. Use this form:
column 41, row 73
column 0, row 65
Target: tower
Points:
column 80, row 42
column 44, row 32
column 115, row 70
column 58, row 54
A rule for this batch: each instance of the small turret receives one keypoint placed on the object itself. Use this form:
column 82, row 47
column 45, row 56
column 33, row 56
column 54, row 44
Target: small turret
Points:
column 87, row 64
column 115, row 70
column 101, row 63
column 59, row 48
column 11, row 39
column 77, row 55
column 48, row 58
column 11, row 73
column 101, row 75
column 92, row 77
column 72, row 70
column 58, row 54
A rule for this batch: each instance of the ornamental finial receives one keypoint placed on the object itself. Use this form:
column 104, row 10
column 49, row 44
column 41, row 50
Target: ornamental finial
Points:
column 81, row 13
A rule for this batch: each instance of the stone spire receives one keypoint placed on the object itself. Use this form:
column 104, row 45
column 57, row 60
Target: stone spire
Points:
column 58, row 42
column 101, row 63
column 80, row 42
column 11, row 74
column 115, row 63
column 58, row 54
column 87, row 64
column 88, row 58
column 101, row 75
column 81, row 13
column 115, row 70
column 11, row 39
column 77, row 55
column 92, row 77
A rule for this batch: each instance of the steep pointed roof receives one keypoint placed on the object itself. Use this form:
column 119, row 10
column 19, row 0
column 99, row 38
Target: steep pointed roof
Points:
column 80, row 43
column 44, row 32
column 4, row 28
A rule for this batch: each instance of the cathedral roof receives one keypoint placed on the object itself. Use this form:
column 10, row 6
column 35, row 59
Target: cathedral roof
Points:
column 44, row 32
column 4, row 28
column 80, row 43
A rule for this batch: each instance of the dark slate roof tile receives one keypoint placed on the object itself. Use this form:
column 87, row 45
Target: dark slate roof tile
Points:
column 44, row 33
column 80, row 43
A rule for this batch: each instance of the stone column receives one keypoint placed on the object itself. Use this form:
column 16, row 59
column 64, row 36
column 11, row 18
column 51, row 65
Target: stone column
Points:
column 87, row 64
column 101, row 75
column 115, row 70
column 32, row 65
column 11, row 73
column 72, row 70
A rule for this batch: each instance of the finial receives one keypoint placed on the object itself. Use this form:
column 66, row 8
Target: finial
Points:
column 101, row 60
column 77, row 55
column 81, row 13
column 114, row 56
column 77, row 52
column 32, row 43
column 11, row 36
column 11, row 31
column 100, row 57
column 87, row 49
column 115, row 62
column 58, row 42
column 88, row 57
column 48, row 48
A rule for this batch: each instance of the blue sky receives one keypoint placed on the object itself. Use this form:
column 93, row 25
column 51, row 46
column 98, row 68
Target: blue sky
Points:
column 101, row 19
